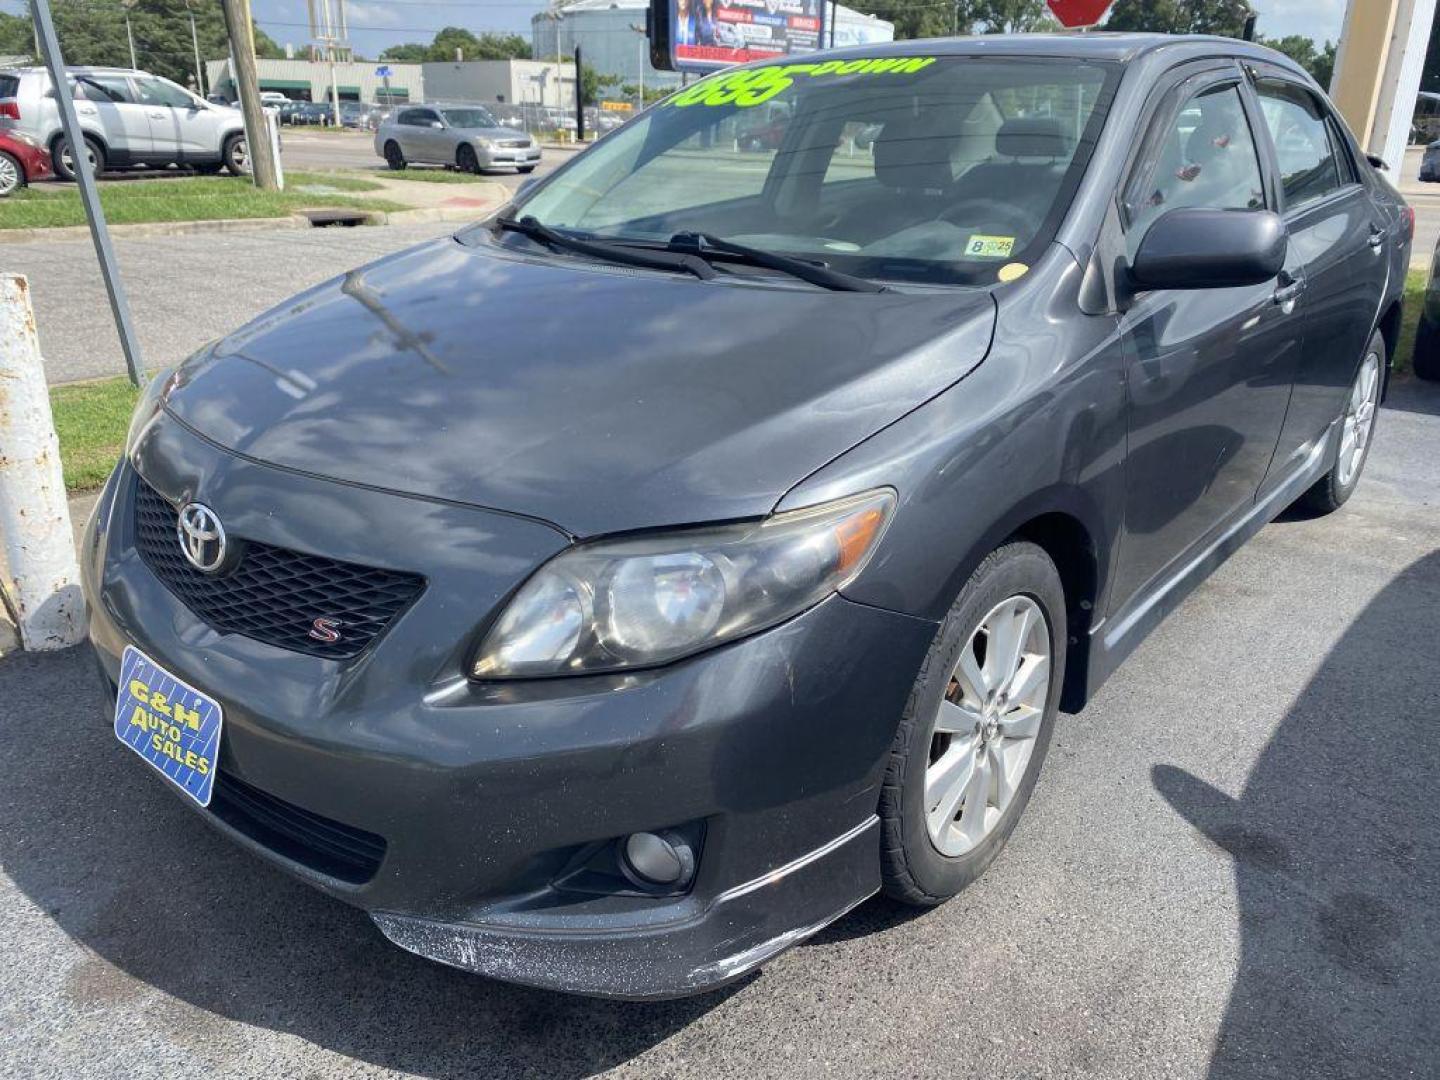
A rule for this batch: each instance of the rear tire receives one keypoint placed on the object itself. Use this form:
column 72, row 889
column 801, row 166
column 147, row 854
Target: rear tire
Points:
column 60, row 155
column 466, row 161
column 394, row 156
column 12, row 174
column 934, row 839
column 1426, row 357
column 1355, row 435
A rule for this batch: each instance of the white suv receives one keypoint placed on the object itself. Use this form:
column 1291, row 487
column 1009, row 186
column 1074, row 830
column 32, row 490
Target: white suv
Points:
column 129, row 118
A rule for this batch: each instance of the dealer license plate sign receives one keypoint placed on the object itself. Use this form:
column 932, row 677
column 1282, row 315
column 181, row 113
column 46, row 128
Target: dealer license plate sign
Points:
column 169, row 723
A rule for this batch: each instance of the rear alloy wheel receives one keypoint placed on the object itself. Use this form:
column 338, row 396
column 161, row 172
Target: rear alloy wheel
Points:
column 1357, row 429
column 466, row 160
column 65, row 163
column 236, row 155
column 394, row 157
column 12, row 176
column 969, row 748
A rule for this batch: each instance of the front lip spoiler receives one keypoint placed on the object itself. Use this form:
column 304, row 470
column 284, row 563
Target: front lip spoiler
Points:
column 736, row 932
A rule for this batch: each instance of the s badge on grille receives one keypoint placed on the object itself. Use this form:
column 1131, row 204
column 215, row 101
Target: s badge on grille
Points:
column 326, row 630
column 202, row 537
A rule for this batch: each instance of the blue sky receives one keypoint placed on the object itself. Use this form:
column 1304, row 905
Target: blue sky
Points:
column 375, row 24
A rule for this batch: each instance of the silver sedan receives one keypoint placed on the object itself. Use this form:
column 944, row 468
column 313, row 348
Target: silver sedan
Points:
column 464, row 136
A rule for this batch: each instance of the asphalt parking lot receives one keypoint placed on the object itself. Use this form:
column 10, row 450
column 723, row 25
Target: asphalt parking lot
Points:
column 1231, row 869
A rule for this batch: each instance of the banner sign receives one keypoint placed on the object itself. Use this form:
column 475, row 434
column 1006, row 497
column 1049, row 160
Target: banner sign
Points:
column 705, row 35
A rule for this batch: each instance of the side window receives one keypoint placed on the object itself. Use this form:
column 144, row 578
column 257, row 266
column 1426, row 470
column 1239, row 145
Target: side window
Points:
column 407, row 117
column 112, row 88
column 1309, row 166
column 159, row 92
column 1205, row 158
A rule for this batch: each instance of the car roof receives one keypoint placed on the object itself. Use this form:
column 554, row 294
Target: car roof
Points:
column 1099, row 45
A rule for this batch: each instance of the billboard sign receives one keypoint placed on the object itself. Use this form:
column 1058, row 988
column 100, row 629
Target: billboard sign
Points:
column 706, row 35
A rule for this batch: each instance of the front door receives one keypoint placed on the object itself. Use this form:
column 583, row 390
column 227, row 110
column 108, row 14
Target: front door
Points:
column 1208, row 371
column 180, row 127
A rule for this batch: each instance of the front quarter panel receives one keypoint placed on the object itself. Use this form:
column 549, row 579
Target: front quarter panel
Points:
column 1038, row 428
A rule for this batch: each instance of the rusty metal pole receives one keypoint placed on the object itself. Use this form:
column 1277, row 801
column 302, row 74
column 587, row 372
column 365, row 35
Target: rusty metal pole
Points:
column 41, row 579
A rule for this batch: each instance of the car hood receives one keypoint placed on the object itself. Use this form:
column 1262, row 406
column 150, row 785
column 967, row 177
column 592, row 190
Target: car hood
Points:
column 591, row 396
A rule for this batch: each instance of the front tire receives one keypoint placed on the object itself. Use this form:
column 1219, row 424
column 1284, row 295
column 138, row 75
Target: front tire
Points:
column 525, row 168
column 1357, row 428
column 976, row 728
column 12, row 174
column 236, row 155
column 466, row 161
column 65, row 167
column 1426, row 358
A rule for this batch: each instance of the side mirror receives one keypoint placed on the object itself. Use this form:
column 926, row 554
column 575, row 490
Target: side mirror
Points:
column 1210, row 249
column 437, row 125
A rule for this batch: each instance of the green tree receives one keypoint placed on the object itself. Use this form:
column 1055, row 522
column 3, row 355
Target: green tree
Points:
column 1319, row 62
column 1225, row 17
column 593, row 85
column 15, row 36
column 93, row 32
column 1011, row 16
column 447, row 40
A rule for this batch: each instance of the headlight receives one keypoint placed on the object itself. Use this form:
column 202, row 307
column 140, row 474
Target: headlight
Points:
column 152, row 398
column 619, row 604
column 485, row 144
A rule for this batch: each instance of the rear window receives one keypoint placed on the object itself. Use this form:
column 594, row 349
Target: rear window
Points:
column 9, row 85
column 927, row 169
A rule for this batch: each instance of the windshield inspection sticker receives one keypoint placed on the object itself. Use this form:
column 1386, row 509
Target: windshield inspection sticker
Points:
column 990, row 247
column 754, row 86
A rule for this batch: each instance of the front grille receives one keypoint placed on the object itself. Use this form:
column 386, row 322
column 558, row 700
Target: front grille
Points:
column 512, row 143
column 273, row 594
column 324, row 845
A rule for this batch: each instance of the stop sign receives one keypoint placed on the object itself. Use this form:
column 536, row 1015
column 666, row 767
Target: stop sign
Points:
column 1079, row 12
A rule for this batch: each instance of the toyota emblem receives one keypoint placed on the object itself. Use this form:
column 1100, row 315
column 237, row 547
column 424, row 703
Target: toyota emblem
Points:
column 202, row 537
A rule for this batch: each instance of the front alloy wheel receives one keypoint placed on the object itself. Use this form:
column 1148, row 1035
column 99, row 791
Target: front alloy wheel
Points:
column 985, row 728
column 969, row 747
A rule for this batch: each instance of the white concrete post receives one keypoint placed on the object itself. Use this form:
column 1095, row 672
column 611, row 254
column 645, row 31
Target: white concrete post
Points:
column 41, row 579
column 1404, row 65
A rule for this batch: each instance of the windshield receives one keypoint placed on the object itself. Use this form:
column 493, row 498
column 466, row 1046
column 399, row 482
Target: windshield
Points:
column 945, row 170
column 469, row 118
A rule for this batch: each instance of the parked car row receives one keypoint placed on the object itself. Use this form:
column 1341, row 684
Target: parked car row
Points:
column 128, row 118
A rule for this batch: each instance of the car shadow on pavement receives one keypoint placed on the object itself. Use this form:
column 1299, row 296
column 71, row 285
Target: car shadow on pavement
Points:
column 1409, row 394
column 158, row 898
column 1336, row 842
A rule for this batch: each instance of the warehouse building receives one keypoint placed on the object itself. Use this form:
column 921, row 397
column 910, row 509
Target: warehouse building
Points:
column 516, row 82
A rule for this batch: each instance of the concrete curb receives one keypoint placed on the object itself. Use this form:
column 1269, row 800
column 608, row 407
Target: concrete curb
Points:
column 156, row 228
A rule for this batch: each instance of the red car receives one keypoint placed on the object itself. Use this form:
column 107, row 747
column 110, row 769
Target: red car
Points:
column 21, row 161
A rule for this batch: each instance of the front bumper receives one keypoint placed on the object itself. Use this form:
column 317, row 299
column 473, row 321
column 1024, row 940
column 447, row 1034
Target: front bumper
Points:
column 503, row 157
column 481, row 796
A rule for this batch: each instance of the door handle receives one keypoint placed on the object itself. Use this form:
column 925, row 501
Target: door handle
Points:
column 1289, row 291
column 156, row 115
column 1377, row 240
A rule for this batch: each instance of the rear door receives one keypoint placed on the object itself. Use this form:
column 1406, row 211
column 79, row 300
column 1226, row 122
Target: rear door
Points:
column 1339, row 241
column 106, row 105
column 1208, row 371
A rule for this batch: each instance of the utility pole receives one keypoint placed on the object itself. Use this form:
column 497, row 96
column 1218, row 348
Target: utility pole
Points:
column 247, row 85
column 130, row 37
column 195, row 44
column 579, row 101
column 89, row 194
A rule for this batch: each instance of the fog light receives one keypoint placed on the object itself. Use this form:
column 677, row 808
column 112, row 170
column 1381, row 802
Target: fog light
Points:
column 665, row 859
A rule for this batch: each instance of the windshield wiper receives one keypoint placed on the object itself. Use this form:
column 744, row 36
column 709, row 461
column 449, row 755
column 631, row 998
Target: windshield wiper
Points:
column 627, row 256
column 702, row 244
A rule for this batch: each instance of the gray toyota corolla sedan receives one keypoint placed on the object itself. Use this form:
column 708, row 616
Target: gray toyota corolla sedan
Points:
column 613, row 594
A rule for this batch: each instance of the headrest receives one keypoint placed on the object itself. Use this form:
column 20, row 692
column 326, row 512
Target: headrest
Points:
column 913, row 153
column 1032, row 136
